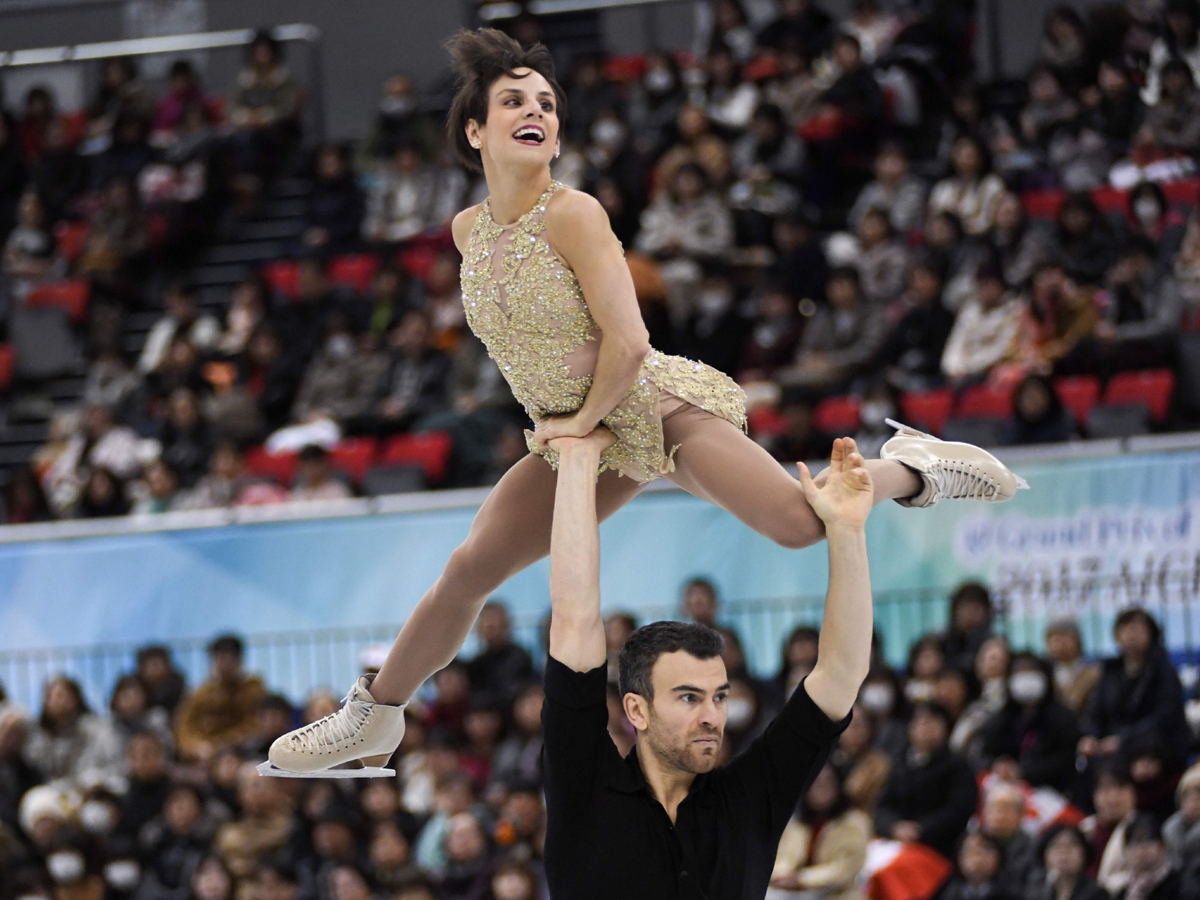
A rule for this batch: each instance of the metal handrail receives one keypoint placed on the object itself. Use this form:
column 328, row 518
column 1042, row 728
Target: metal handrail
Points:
column 495, row 11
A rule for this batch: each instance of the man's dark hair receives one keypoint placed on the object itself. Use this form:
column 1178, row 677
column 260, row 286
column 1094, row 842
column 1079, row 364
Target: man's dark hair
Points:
column 479, row 58
column 704, row 584
column 844, row 273
column 227, row 643
column 971, row 592
column 1145, row 828
column 937, row 711
column 648, row 643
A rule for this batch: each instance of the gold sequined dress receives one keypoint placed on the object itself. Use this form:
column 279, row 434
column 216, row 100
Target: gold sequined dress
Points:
column 527, row 307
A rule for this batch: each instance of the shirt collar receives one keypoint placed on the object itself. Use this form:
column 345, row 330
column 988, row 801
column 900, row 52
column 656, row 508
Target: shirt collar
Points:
column 629, row 778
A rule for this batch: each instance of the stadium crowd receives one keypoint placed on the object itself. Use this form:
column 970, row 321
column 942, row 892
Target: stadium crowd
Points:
column 1002, row 774
column 833, row 211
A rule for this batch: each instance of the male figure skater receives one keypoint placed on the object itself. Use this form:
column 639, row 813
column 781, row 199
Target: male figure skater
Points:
column 665, row 821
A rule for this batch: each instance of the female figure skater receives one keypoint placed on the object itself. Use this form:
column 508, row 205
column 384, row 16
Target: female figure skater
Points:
column 545, row 286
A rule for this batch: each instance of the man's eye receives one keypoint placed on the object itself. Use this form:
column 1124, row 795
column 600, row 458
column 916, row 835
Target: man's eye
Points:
column 720, row 698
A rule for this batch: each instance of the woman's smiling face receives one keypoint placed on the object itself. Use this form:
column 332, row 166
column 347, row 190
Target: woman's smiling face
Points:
column 522, row 125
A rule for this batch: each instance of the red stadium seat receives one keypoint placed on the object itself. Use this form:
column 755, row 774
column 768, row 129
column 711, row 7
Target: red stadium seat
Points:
column 765, row 421
column 1152, row 388
column 8, row 360
column 69, row 239
column 416, row 261
column 625, row 68
column 1078, row 394
column 927, row 410
column 283, row 277
column 353, row 270
column 837, row 415
column 354, row 456
column 71, row 295
column 985, row 401
column 430, row 450
column 280, row 467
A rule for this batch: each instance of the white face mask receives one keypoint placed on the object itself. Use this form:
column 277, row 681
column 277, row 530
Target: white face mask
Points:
column 712, row 302
column 659, row 81
column 123, row 874
column 917, row 691
column 97, row 817
column 877, row 699
column 65, row 867
column 608, row 133
column 739, row 713
column 1146, row 209
column 1027, row 687
column 397, row 106
column 509, row 886
column 873, row 413
column 33, row 897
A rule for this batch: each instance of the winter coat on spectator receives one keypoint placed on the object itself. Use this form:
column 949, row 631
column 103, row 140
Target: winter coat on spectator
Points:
column 1075, row 683
column 1108, row 865
column 1117, row 118
column 881, row 272
column 958, row 889
column 400, row 204
column 1043, row 744
column 420, row 383
column 341, row 386
column 1020, row 862
column 143, row 802
column 981, row 338
column 1182, row 838
column 702, row 229
column 202, row 332
column 937, row 792
column 337, row 206
column 60, row 176
column 852, row 340
column 77, row 751
column 1040, row 888
column 918, row 337
column 268, row 98
column 1175, row 122
column 499, row 674
column 1021, row 250
column 1162, row 51
column 904, row 204
column 1149, row 307
column 828, row 858
column 973, row 201
column 1162, row 885
column 796, row 95
column 219, row 714
column 1147, row 706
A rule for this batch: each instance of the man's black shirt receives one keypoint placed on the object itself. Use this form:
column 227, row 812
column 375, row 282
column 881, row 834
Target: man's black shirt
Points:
column 608, row 837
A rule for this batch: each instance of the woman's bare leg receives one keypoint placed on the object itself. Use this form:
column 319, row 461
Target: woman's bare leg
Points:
column 510, row 531
column 718, row 463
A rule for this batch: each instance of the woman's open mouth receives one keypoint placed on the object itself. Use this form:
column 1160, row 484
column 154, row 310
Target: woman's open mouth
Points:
column 531, row 135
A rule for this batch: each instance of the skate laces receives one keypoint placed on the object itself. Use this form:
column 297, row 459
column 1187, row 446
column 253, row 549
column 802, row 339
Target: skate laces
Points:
column 962, row 481
column 334, row 728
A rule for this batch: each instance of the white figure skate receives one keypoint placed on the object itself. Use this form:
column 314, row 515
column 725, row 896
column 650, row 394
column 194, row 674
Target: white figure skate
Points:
column 355, row 742
column 950, row 470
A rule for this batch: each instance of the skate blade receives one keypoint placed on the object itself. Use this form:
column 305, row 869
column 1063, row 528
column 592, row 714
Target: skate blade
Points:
column 270, row 771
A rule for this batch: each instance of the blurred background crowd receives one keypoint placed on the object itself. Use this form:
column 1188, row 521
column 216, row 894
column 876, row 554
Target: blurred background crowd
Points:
column 977, row 772
column 832, row 210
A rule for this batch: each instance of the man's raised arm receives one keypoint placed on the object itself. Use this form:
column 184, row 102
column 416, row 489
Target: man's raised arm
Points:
column 576, row 629
column 844, row 652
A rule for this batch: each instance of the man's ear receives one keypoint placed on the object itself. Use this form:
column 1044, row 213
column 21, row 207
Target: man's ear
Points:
column 637, row 710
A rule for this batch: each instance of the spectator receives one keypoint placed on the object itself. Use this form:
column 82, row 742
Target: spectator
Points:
column 183, row 91
column 58, row 174
column 618, row 627
column 1061, row 314
column 342, row 379
column 919, row 329
column 222, row 712
column 970, row 624
column 186, row 440
column 68, row 740
column 1180, row 41
column 971, row 193
column 262, row 827
column 799, row 23
column 799, row 658
column 1172, row 124
column 713, row 331
column 335, row 207
column 1020, row 245
column 895, row 192
column 12, row 174
column 800, row 261
column 768, row 142
column 247, row 309
column 400, row 202
column 400, row 121
column 315, row 479
column 502, row 668
column 824, row 846
column 466, row 870
column 1051, row 115
column 774, row 335
column 1002, row 820
column 17, row 776
column 588, row 92
column 979, row 870
column 1138, row 699
column 863, row 767
column 265, row 108
column 840, row 341
column 116, row 239
column 301, row 323
column 266, row 376
column 24, row 501
column 1064, row 854
column 1153, row 217
column 518, row 757
column 28, row 251
column 1151, row 874
column 1033, row 736
column 883, row 262
column 732, row 31
column 416, row 385
column 799, row 438
column 1074, row 676
column 926, row 662
column 175, row 844
column 991, row 668
column 102, row 495
column 1182, row 833
column 164, row 683
column 121, row 96
column 1114, row 799
column 931, row 793
column 112, row 383
column 1112, row 108
column 795, row 89
column 985, row 329
column 181, row 320
column 1064, row 48
column 963, row 256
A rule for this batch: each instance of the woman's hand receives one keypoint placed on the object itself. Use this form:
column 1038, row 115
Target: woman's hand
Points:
column 552, row 427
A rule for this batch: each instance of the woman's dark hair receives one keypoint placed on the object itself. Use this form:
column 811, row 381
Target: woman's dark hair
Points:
column 969, row 592
column 1144, row 828
column 643, row 648
column 479, row 58
column 981, row 150
column 1080, row 201
column 1136, row 613
column 929, row 640
column 1067, row 14
column 1153, row 189
column 876, row 212
column 123, row 682
column 1054, row 407
column 992, row 842
column 1051, row 833
column 71, row 685
column 841, row 803
column 799, row 633
column 264, row 38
